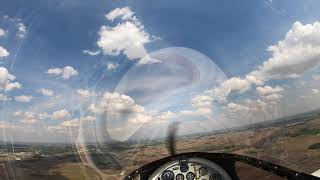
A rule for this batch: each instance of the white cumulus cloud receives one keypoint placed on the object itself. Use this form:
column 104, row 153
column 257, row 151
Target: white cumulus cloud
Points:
column 61, row 114
column 66, row 73
column 22, row 30
column 91, row 53
column 46, row 92
column 26, row 117
column 127, row 37
column 85, row 94
column 296, row 54
column 273, row 97
column 267, row 90
column 2, row 32
column 233, row 84
column 11, row 86
column 203, row 104
column 112, row 66
column 291, row 57
column 3, row 52
column 23, row 98
column 124, row 13
column 88, row 118
column 6, row 80
column 235, row 107
column 119, row 104
column 125, row 116
column 123, row 113
column 71, row 123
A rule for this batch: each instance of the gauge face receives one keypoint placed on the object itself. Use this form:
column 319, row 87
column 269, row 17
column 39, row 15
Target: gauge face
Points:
column 203, row 171
column 180, row 177
column 184, row 167
column 167, row 175
column 190, row 176
column 215, row 176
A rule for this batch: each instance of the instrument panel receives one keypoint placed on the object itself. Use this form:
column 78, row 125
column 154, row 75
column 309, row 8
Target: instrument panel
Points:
column 190, row 169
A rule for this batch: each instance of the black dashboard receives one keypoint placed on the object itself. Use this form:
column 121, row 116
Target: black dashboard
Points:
column 207, row 166
column 190, row 169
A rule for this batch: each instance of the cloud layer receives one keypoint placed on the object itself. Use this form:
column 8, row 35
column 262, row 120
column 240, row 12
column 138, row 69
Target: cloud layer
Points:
column 296, row 54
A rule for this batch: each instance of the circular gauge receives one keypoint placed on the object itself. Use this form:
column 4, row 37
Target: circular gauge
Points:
column 190, row 176
column 215, row 176
column 203, row 171
column 180, row 177
column 184, row 167
column 167, row 175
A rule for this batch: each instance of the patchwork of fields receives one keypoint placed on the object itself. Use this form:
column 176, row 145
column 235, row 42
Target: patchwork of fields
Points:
column 294, row 145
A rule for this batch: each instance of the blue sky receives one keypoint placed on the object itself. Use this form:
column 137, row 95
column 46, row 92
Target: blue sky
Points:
column 225, row 26
column 232, row 38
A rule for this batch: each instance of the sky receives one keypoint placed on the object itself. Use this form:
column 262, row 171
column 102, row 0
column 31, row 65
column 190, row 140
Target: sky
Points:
column 105, row 70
